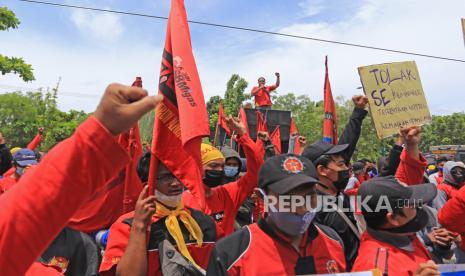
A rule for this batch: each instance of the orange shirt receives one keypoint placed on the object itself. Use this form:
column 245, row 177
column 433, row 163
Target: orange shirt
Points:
column 395, row 255
column 262, row 96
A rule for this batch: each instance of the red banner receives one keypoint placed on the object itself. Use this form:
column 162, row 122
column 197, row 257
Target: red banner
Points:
column 222, row 121
column 276, row 139
column 330, row 118
column 181, row 118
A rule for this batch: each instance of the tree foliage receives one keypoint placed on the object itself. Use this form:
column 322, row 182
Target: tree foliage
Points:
column 13, row 65
column 21, row 115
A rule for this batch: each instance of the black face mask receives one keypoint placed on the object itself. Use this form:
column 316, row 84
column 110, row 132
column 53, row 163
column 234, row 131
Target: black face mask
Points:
column 458, row 174
column 342, row 180
column 213, row 178
column 416, row 224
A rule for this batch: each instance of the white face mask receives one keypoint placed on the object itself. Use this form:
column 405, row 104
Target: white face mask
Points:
column 170, row 201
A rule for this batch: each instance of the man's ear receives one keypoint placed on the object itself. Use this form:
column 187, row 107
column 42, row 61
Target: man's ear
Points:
column 391, row 218
column 322, row 170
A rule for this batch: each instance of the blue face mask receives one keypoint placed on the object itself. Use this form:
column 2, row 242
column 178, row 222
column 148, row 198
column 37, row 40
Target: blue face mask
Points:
column 19, row 171
column 290, row 223
column 441, row 169
column 230, row 171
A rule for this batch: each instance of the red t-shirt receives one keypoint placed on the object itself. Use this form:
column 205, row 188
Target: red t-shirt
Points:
column 374, row 253
column 411, row 171
column 258, row 250
column 40, row 204
column 119, row 236
column 262, row 96
column 225, row 200
column 7, row 183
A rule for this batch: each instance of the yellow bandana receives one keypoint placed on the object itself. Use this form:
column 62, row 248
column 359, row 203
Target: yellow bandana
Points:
column 172, row 225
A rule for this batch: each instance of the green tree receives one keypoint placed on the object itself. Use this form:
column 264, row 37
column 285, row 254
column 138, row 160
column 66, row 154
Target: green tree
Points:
column 13, row 65
column 213, row 106
column 234, row 95
column 21, row 115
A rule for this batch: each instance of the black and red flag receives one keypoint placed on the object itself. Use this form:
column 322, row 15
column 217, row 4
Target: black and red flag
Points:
column 181, row 118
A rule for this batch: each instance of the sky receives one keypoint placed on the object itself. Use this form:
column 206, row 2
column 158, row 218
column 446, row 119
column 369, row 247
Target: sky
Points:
column 88, row 50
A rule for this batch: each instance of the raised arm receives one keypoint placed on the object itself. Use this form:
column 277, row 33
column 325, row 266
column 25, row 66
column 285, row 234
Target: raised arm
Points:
column 353, row 128
column 39, row 206
column 412, row 164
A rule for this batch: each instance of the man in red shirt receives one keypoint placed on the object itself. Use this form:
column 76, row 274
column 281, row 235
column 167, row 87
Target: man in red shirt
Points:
column 262, row 93
column 136, row 239
column 23, row 160
column 287, row 241
column 393, row 213
column 45, row 198
column 223, row 201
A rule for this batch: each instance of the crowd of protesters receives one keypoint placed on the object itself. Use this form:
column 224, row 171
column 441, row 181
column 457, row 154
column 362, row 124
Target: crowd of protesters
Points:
column 243, row 229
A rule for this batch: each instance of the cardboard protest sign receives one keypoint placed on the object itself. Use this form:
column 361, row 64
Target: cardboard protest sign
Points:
column 395, row 96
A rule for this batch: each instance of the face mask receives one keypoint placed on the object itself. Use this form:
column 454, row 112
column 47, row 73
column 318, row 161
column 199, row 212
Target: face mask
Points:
column 230, row 171
column 416, row 224
column 290, row 223
column 342, row 180
column 213, row 178
column 458, row 174
column 441, row 169
column 20, row 170
column 170, row 201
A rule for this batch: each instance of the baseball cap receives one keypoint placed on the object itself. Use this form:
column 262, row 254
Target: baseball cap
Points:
column 285, row 172
column 25, row 157
column 357, row 167
column 398, row 195
column 317, row 149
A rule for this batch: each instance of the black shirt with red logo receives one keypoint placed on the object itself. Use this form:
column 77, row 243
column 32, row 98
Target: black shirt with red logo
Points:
column 259, row 250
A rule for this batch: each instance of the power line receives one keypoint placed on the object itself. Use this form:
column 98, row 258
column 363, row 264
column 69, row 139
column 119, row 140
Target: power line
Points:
column 248, row 30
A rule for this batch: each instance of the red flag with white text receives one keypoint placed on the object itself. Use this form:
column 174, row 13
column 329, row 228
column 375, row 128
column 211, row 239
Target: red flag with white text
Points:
column 181, row 119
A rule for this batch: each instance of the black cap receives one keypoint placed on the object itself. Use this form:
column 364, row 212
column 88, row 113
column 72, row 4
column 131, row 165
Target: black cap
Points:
column 357, row 166
column 398, row 195
column 285, row 172
column 317, row 149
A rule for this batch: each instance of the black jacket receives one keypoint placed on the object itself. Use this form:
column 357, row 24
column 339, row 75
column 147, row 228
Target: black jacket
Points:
column 352, row 132
column 5, row 159
column 350, row 136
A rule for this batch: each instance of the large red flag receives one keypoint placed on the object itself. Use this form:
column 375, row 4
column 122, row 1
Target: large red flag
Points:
column 181, row 118
column 330, row 119
column 276, row 139
column 119, row 195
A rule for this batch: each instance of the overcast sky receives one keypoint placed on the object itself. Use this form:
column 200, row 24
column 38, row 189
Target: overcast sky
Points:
column 88, row 50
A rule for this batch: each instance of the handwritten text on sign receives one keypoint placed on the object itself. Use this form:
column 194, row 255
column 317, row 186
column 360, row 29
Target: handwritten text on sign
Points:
column 395, row 96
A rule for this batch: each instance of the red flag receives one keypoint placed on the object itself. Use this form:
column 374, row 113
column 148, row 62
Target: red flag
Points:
column 276, row 139
column 119, row 195
column 222, row 121
column 181, row 118
column 132, row 182
column 294, row 131
column 293, row 128
column 243, row 118
column 261, row 126
column 330, row 119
